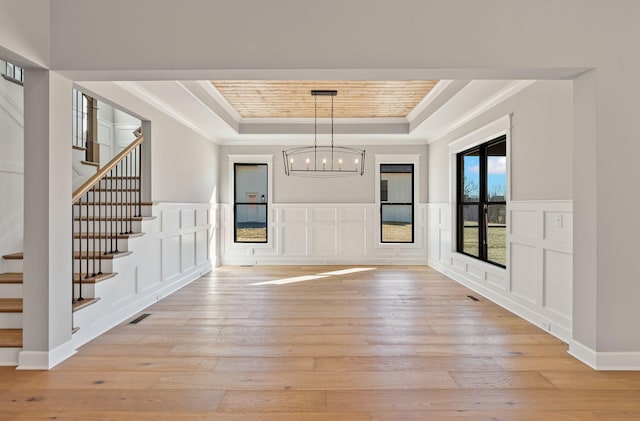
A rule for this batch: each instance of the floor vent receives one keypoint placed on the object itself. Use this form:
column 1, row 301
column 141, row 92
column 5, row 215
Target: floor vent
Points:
column 139, row 319
column 471, row 297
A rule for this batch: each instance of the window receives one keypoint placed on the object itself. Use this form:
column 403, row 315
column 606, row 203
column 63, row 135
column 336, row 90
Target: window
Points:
column 250, row 203
column 481, row 201
column 14, row 73
column 396, row 203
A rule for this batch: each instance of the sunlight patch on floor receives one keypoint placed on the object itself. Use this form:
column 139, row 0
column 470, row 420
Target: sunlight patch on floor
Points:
column 312, row 277
column 346, row 271
column 290, row 280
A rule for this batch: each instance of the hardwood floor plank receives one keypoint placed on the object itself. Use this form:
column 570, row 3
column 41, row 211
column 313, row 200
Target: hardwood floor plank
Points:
column 279, row 401
column 392, row 343
column 407, row 380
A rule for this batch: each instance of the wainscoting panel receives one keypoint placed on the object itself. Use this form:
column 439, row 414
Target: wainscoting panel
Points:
column 163, row 260
column 320, row 233
column 537, row 283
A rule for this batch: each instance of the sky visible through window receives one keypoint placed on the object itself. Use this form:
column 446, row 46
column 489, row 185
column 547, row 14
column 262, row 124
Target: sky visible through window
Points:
column 496, row 175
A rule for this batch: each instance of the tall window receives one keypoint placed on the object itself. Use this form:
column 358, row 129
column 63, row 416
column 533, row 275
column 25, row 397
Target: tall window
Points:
column 250, row 203
column 396, row 203
column 482, row 203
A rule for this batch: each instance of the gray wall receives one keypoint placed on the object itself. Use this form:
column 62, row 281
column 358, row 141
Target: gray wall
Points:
column 184, row 163
column 541, row 144
column 291, row 189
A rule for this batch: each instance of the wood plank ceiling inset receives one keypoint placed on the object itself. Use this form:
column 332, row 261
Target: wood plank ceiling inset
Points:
column 355, row 99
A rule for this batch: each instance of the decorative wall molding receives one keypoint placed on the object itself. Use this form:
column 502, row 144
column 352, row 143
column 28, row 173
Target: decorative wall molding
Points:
column 320, row 233
column 174, row 251
column 537, row 284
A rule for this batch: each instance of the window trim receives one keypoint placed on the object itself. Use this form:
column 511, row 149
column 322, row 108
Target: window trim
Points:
column 251, row 159
column 493, row 130
column 413, row 159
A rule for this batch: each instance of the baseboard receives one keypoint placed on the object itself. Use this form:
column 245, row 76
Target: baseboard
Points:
column 372, row 261
column 626, row 361
column 559, row 331
column 44, row 360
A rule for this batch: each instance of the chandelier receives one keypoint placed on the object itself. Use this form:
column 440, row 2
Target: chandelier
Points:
column 327, row 160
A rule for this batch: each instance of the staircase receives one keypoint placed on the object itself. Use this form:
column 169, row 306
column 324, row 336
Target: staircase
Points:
column 107, row 215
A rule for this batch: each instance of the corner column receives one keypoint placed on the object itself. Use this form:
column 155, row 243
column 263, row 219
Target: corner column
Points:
column 47, row 315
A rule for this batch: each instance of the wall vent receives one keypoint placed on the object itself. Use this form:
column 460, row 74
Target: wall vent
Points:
column 139, row 319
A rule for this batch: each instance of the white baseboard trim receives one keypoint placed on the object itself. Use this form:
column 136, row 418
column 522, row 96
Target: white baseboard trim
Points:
column 266, row 261
column 44, row 360
column 561, row 332
column 620, row 361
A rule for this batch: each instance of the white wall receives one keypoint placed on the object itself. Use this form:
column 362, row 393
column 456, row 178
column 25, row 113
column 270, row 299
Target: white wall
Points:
column 11, row 169
column 537, row 283
column 327, row 220
column 25, row 31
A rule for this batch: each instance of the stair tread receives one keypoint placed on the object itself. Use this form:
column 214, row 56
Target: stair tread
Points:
column 78, row 148
column 107, row 235
column 113, row 218
column 93, row 164
column 10, row 305
column 11, row 278
column 84, row 303
column 10, row 338
column 100, row 256
column 93, row 279
column 13, row 256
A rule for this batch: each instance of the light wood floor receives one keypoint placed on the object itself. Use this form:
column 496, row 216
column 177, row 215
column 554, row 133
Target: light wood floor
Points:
column 394, row 343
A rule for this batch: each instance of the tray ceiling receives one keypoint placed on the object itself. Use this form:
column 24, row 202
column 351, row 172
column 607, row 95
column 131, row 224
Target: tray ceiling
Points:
column 292, row 99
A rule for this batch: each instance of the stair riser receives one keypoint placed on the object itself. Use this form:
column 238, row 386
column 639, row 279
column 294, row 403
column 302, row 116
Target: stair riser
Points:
column 103, row 245
column 107, row 266
column 104, row 226
column 11, row 320
column 88, row 290
column 11, row 291
column 111, row 211
column 10, row 265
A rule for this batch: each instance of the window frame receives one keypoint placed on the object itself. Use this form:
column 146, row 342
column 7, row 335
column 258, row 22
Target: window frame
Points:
column 252, row 160
column 261, row 204
column 385, row 202
column 493, row 130
column 413, row 159
column 481, row 204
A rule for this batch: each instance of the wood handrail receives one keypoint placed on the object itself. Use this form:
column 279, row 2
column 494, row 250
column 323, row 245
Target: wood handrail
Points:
column 95, row 179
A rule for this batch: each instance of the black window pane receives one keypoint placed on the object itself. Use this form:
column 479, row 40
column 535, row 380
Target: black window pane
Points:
column 470, row 230
column 251, row 183
column 497, row 234
column 471, row 176
column 497, row 172
column 397, row 223
column 251, row 223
